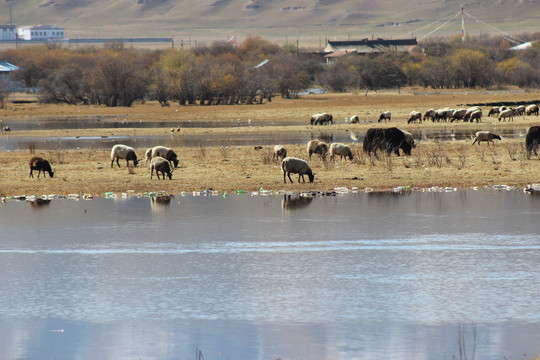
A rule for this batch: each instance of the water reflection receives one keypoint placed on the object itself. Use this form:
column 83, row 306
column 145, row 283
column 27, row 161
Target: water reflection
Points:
column 295, row 201
column 160, row 202
column 252, row 139
column 357, row 276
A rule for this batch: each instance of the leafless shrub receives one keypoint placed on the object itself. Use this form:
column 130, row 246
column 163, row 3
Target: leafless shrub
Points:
column 267, row 156
column 224, row 151
column 202, row 151
column 512, row 152
column 58, row 152
column 437, row 155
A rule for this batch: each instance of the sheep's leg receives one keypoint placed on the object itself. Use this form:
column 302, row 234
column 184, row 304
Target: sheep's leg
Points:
column 289, row 175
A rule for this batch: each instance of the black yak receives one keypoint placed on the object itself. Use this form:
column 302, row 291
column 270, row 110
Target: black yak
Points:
column 532, row 140
column 389, row 140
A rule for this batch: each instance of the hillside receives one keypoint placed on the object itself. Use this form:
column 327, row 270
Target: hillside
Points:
column 311, row 21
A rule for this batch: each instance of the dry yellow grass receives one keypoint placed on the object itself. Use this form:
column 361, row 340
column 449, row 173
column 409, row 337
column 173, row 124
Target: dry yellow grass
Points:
column 448, row 163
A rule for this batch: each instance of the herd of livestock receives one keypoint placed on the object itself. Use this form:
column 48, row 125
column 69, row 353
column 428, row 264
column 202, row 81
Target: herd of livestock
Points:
column 471, row 114
column 164, row 160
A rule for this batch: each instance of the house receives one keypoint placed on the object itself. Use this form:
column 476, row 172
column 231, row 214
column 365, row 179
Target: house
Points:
column 8, row 33
column 335, row 49
column 41, row 33
column 5, row 71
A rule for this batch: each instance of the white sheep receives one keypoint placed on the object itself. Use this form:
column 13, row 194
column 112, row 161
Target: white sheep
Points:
column 292, row 165
column 494, row 111
column 505, row 114
column 279, row 152
column 164, row 152
column 458, row 114
column 476, row 115
column 162, row 166
column 467, row 116
column 354, row 119
column 148, row 156
column 486, row 136
column 413, row 116
column 322, row 119
column 120, row 151
column 430, row 114
column 531, row 109
column 317, row 147
column 387, row 115
column 341, row 150
column 520, row 110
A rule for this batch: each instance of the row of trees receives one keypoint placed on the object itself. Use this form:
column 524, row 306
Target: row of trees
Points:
column 223, row 74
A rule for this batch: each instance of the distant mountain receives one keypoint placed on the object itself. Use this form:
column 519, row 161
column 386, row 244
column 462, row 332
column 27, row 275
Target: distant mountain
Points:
column 309, row 21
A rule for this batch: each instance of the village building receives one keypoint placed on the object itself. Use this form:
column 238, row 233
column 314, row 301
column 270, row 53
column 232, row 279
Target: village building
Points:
column 8, row 33
column 336, row 49
column 41, row 33
column 5, row 71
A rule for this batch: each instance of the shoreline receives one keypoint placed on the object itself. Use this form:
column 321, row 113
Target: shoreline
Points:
column 434, row 163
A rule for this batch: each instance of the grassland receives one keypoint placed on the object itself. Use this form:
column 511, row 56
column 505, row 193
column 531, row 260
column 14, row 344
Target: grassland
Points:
column 227, row 169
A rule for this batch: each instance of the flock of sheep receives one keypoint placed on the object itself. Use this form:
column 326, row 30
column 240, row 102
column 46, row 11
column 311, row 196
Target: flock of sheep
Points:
column 474, row 113
column 164, row 160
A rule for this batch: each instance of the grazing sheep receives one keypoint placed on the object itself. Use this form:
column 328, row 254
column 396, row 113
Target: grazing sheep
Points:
column 520, row 110
column 389, row 140
column 505, row 114
column 443, row 114
column 354, row 119
column 6, row 128
column 476, row 115
column 532, row 140
column 341, row 150
column 40, row 164
column 148, row 156
column 494, row 111
column 162, row 166
column 279, row 152
column 430, row 114
column 531, row 109
column 385, row 116
column 123, row 152
column 322, row 119
column 486, row 136
column 470, row 111
column 166, row 153
column 292, row 165
column 413, row 116
column 458, row 114
column 317, row 147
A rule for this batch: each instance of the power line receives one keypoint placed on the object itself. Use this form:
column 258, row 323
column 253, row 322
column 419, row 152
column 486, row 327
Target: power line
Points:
column 431, row 32
column 506, row 35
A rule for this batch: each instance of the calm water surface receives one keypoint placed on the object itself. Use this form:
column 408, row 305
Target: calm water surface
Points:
column 358, row 276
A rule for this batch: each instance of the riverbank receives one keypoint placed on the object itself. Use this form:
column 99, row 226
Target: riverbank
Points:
column 443, row 164
column 228, row 168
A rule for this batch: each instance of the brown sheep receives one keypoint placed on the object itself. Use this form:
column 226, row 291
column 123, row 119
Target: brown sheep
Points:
column 317, row 147
column 40, row 164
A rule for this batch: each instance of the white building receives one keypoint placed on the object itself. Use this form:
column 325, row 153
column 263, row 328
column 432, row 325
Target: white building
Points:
column 7, row 32
column 41, row 32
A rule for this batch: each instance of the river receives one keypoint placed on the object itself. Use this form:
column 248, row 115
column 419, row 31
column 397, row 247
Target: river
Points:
column 352, row 276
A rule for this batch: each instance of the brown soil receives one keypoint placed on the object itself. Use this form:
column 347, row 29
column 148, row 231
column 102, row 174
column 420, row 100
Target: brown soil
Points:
column 228, row 169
